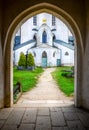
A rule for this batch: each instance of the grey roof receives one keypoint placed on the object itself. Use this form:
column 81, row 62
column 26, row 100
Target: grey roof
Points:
column 70, row 46
column 23, row 44
column 32, row 41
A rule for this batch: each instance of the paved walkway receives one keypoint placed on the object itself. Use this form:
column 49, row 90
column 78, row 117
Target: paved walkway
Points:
column 62, row 117
column 53, row 118
column 46, row 93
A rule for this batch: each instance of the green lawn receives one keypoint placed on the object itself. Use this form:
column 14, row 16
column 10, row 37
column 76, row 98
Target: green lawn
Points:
column 64, row 83
column 28, row 79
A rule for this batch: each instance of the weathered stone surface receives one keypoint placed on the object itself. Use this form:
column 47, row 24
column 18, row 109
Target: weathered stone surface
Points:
column 75, row 125
column 57, row 119
column 9, row 127
column 43, row 121
column 16, row 116
column 71, row 116
column 84, row 119
column 60, row 128
column 43, row 111
column 68, row 109
column 55, row 109
column 4, row 113
column 26, row 127
column 42, row 128
column 30, row 115
column 2, row 122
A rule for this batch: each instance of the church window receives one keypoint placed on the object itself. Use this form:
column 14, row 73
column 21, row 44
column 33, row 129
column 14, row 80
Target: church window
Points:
column 34, row 37
column 44, row 55
column 35, row 20
column 54, row 54
column 34, row 54
column 54, row 37
column 53, row 20
column 44, row 37
column 66, row 53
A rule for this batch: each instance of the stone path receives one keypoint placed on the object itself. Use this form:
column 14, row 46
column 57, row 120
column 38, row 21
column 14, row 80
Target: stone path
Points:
column 50, row 118
column 26, row 116
column 46, row 93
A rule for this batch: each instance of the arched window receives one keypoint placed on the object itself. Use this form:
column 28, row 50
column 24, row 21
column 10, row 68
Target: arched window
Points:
column 44, row 37
column 54, row 37
column 66, row 53
column 35, row 20
column 54, row 54
column 53, row 20
column 34, row 37
column 34, row 54
column 44, row 54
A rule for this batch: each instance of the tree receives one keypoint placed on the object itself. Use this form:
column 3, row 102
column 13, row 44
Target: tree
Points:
column 22, row 60
column 30, row 60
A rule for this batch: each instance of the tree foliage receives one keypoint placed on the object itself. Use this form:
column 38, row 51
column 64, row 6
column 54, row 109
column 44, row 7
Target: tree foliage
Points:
column 22, row 60
column 30, row 60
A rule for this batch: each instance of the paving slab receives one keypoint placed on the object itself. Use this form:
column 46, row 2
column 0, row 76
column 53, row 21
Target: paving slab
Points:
column 43, row 122
column 43, row 111
column 15, row 116
column 70, row 116
column 2, row 123
column 9, row 127
column 30, row 115
column 84, row 119
column 4, row 113
column 60, row 128
column 75, row 125
column 57, row 119
column 42, row 128
column 26, row 127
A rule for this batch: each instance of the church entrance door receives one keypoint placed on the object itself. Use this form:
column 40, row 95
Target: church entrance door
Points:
column 44, row 59
column 44, row 62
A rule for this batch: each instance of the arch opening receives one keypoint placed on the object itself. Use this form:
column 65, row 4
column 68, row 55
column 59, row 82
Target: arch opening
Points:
column 61, row 14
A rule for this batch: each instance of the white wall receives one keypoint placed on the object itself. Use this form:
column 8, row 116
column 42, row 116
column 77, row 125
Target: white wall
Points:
column 49, row 34
column 50, row 59
column 66, row 59
column 62, row 32
column 22, row 49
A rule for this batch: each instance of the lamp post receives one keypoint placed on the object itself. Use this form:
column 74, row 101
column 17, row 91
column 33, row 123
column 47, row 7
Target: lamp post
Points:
column 26, row 58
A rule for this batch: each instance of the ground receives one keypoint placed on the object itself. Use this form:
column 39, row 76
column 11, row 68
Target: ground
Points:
column 45, row 93
column 44, row 113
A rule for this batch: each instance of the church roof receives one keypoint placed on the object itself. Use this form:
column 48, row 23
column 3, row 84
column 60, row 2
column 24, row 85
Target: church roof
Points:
column 44, row 45
column 23, row 44
column 70, row 46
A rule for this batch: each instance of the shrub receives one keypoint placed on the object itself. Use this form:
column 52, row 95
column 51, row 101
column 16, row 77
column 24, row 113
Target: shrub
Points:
column 30, row 60
column 22, row 60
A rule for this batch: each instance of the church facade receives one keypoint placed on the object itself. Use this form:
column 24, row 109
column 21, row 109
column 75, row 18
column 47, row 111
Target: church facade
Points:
column 47, row 38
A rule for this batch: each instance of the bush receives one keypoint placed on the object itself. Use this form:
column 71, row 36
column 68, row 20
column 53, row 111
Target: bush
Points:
column 30, row 60
column 22, row 60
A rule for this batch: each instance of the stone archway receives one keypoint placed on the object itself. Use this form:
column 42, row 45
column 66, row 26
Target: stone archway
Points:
column 8, row 53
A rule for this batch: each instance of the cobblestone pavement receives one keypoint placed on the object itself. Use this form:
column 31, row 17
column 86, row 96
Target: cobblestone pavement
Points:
column 49, row 118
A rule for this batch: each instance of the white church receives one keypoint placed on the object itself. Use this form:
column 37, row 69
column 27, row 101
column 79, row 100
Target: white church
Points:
column 47, row 38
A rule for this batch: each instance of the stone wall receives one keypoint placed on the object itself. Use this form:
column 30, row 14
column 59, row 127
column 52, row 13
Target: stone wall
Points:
column 74, row 13
column 1, row 65
column 85, row 89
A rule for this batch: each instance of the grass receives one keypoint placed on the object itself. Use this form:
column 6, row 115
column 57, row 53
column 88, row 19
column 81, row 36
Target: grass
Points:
column 28, row 79
column 64, row 83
